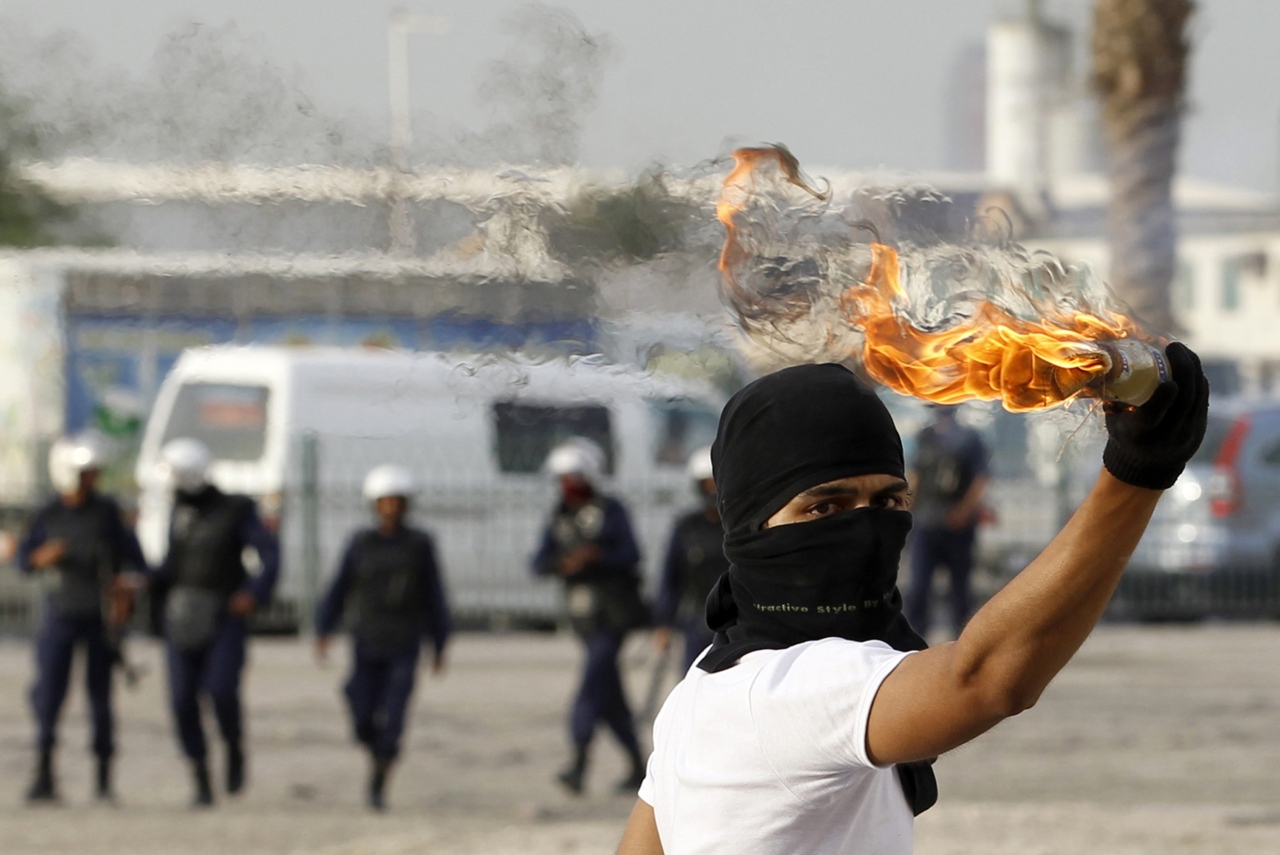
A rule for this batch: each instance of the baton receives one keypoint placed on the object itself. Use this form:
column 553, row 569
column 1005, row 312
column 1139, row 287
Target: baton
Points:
column 132, row 673
column 656, row 680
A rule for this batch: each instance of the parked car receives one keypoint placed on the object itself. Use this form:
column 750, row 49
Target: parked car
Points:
column 1213, row 545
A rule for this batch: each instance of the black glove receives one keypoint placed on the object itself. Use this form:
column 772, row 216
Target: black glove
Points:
column 1149, row 446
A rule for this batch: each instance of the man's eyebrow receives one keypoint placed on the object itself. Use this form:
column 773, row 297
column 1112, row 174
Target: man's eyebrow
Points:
column 826, row 491
column 895, row 487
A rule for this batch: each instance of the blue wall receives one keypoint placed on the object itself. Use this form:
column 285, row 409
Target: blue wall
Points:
column 115, row 364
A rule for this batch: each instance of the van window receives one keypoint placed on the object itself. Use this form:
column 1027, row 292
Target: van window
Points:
column 526, row 433
column 681, row 428
column 229, row 418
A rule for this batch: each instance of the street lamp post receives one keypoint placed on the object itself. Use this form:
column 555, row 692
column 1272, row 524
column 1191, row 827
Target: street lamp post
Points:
column 398, row 29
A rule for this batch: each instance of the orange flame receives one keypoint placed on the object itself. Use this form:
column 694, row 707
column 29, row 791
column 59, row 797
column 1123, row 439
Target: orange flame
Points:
column 990, row 355
column 738, row 190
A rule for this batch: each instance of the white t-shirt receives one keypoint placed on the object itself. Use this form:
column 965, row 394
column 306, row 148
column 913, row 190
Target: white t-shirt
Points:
column 770, row 756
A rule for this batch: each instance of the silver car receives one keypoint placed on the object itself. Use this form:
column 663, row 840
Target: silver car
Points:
column 1213, row 545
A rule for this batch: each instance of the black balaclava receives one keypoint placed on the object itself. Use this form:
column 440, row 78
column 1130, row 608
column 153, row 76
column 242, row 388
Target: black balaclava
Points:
column 835, row 577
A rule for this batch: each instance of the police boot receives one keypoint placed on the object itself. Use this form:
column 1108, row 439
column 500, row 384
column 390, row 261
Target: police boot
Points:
column 103, row 789
column 204, row 789
column 42, row 789
column 235, row 768
column 378, row 784
column 571, row 776
column 635, row 777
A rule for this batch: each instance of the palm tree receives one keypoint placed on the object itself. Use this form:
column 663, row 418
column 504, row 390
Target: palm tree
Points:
column 1139, row 70
column 25, row 212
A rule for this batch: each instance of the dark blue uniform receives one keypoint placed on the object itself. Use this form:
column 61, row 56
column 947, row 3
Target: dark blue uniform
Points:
column 695, row 561
column 949, row 458
column 208, row 534
column 390, row 588
column 603, row 602
column 99, row 546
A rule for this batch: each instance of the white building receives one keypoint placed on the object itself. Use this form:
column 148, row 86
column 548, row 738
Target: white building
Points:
column 1043, row 157
column 1043, row 170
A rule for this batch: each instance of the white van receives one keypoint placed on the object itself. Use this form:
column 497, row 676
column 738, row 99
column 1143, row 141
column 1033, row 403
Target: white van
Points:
column 298, row 428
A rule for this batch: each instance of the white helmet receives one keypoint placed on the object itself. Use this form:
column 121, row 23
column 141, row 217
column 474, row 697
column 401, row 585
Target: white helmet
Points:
column 577, row 456
column 699, row 467
column 389, row 480
column 185, row 463
column 71, row 455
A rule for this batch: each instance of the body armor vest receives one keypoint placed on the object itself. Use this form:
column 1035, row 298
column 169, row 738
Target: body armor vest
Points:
column 595, row 601
column 944, row 465
column 702, row 541
column 205, row 544
column 92, row 555
column 572, row 529
column 390, row 589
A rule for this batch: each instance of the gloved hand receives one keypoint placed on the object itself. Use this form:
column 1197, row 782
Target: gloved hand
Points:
column 1149, row 446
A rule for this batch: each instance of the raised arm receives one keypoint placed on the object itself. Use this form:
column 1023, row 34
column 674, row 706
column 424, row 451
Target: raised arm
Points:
column 945, row 696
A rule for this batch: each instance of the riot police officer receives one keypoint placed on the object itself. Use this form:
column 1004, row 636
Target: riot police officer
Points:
column 695, row 561
column 389, row 584
column 208, row 597
column 78, row 545
column 950, row 475
column 589, row 544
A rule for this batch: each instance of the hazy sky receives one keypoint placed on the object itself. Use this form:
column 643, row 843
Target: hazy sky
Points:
column 845, row 83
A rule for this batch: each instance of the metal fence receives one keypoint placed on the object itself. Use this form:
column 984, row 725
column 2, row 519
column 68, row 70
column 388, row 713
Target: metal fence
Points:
column 1227, row 592
column 486, row 525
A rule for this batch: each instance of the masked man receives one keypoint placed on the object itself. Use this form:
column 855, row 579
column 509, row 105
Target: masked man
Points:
column 589, row 545
column 209, row 597
column 78, row 546
column 390, row 585
column 813, row 718
column 695, row 562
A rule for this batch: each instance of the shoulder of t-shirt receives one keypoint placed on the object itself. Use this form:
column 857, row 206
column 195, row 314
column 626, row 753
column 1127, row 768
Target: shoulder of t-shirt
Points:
column 828, row 652
column 821, row 691
column 840, row 646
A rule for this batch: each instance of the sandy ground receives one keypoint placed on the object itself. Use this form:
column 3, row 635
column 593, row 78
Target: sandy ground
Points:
column 1155, row 740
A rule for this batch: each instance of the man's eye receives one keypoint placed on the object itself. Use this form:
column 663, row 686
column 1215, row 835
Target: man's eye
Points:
column 896, row 501
column 822, row 509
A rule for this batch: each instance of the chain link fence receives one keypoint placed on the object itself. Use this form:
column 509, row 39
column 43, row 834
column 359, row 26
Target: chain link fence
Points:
column 486, row 525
